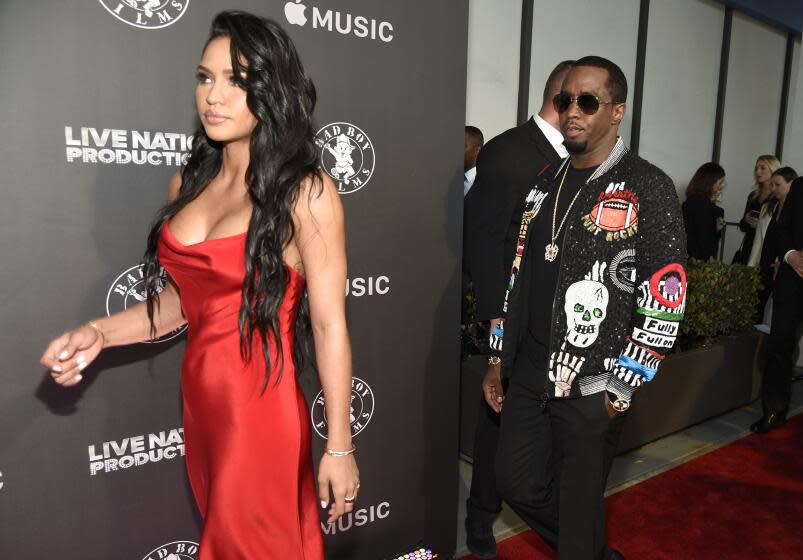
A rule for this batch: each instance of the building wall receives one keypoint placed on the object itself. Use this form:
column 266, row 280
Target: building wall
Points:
column 680, row 91
column 494, row 30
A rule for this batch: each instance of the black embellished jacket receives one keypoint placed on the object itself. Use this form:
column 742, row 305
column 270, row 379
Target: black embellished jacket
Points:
column 621, row 289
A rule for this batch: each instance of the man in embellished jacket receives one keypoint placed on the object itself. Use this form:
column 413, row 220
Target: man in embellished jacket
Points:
column 594, row 302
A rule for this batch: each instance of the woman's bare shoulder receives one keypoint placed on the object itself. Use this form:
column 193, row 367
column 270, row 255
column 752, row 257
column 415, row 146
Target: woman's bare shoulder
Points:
column 317, row 195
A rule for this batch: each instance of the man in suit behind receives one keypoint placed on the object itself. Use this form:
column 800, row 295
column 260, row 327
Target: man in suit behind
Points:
column 507, row 168
column 474, row 142
column 787, row 313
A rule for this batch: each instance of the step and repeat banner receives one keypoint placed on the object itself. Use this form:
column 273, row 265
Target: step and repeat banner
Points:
column 98, row 101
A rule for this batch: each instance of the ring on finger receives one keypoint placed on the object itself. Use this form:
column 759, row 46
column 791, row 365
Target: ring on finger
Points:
column 350, row 499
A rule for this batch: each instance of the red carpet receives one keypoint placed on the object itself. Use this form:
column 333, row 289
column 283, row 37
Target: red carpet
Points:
column 742, row 501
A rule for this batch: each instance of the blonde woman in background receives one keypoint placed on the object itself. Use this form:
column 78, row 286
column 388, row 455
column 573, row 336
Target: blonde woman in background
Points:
column 766, row 165
column 765, row 215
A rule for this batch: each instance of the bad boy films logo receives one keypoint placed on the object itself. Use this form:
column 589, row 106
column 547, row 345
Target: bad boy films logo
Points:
column 178, row 550
column 128, row 289
column 146, row 14
column 346, row 155
column 362, row 408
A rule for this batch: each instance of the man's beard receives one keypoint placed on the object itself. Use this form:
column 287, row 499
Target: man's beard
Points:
column 575, row 147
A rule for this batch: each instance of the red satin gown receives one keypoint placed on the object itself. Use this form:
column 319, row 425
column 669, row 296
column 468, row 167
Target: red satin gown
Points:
column 248, row 452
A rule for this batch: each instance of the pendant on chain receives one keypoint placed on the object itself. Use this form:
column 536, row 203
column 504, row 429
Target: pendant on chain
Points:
column 551, row 252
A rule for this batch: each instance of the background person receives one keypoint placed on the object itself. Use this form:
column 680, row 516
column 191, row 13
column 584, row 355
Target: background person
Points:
column 474, row 143
column 787, row 313
column 762, row 172
column 765, row 214
column 704, row 220
column 770, row 258
column 506, row 170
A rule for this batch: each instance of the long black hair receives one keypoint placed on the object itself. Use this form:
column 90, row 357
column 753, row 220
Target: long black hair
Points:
column 282, row 155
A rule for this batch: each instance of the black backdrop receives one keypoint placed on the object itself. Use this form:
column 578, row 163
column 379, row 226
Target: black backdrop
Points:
column 98, row 99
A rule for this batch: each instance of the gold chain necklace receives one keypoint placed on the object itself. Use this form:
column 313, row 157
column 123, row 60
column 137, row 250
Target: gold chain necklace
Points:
column 551, row 250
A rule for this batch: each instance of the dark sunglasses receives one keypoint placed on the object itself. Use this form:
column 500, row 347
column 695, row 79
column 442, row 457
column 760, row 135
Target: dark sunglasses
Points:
column 586, row 102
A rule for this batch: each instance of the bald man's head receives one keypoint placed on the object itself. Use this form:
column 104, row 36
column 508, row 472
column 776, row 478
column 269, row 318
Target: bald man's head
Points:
column 474, row 142
column 551, row 89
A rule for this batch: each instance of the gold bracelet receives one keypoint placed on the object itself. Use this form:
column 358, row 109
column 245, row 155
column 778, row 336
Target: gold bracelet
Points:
column 97, row 329
column 333, row 453
column 494, row 360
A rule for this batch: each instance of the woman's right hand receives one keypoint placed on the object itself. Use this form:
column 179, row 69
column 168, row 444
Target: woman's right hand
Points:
column 67, row 355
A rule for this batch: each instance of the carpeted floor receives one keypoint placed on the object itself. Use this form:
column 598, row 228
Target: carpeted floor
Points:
column 742, row 501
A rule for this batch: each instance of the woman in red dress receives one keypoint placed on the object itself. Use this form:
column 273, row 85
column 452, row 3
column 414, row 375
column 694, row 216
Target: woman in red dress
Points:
column 253, row 241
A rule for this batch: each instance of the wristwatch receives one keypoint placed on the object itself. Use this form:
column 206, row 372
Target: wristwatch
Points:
column 619, row 404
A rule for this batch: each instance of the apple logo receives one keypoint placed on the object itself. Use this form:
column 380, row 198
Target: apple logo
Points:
column 294, row 12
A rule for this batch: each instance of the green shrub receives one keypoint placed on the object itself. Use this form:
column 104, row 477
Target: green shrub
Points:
column 721, row 298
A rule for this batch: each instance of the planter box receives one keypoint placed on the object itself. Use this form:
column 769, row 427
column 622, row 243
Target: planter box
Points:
column 695, row 385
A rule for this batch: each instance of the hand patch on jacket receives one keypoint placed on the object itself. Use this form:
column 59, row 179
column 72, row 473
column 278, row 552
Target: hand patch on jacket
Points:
column 532, row 206
column 563, row 368
column 615, row 213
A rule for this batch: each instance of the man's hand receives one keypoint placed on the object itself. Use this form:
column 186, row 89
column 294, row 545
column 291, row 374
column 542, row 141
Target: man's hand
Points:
column 795, row 260
column 720, row 224
column 492, row 388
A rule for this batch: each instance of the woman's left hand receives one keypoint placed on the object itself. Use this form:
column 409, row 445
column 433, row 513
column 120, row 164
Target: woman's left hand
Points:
column 338, row 484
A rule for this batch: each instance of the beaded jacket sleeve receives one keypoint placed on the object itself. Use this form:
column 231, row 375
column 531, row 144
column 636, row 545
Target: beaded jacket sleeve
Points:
column 660, row 289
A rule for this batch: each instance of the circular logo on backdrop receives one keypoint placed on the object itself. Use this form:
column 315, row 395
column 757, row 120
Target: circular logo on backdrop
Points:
column 346, row 155
column 178, row 550
column 128, row 289
column 362, row 408
column 146, row 14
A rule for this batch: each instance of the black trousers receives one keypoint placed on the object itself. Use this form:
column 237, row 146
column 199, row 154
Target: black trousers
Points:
column 484, row 502
column 787, row 314
column 552, row 464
